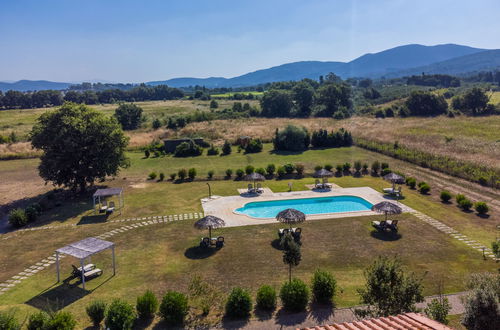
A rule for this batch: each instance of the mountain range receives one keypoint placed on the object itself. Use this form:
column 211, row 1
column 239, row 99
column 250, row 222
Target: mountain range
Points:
column 391, row 63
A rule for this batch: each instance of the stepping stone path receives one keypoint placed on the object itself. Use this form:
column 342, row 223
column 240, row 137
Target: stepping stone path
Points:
column 46, row 262
column 452, row 232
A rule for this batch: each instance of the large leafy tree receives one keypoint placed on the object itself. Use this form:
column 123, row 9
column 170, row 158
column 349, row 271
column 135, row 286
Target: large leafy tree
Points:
column 276, row 103
column 426, row 104
column 334, row 97
column 129, row 115
column 388, row 289
column 482, row 304
column 474, row 102
column 80, row 145
column 303, row 95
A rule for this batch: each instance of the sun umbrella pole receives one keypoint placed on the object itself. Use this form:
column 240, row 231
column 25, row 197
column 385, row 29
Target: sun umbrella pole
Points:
column 210, row 232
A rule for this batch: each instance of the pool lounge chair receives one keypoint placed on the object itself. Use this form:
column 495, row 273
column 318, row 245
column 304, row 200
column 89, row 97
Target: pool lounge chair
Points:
column 317, row 184
column 77, row 271
column 93, row 273
column 104, row 206
column 379, row 225
column 259, row 188
column 251, row 190
column 326, row 185
column 297, row 233
column 111, row 207
column 205, row 242
column 392, row 225
column 220, row 242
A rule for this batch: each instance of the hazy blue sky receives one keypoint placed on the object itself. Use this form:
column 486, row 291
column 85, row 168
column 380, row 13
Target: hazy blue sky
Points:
column 134, row 41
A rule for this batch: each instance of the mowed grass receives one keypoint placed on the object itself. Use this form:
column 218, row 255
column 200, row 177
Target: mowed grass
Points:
column 161, row 257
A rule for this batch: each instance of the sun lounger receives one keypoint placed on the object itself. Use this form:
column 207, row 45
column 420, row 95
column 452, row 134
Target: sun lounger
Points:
column 259, row 188
column 77, row 271
column 317, row 184
column 92, row 273
column 205, row 242
column 220, row 242
column 111, row 207
column 296, row 233
column 104, row 206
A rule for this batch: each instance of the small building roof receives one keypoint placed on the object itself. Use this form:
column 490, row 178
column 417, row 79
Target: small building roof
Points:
column 108, row 192
column 85, row 248
column 403, row 321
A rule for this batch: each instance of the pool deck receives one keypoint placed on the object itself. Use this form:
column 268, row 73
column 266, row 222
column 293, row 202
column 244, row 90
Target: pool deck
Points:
column 223, row 207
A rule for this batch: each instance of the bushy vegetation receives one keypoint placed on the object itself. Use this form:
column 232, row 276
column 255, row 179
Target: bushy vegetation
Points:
column 481, row 304
column 96, row 311
column 424, row 188
column 18, row 218
column 322, row 139
column 8, row 321
column 266, row 298
column 188, row 149
column 481, row 207
column 411, row 182
column 465, row 204
column 129, row 115
column 61, row 320
column 212, row 151
column 146, row 305
column 323, row 287
column 239, row 303
column 438, row 309
column 120, row 315
column 226, row 148
column 291, row 138
column 426, row 104
column 174, row 308
column 254, row 146
column 37, row 321
column 445, row 196
column 294, row 295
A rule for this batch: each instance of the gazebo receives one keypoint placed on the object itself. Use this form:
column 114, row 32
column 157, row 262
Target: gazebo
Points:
column 102, row 193
column 84, row 249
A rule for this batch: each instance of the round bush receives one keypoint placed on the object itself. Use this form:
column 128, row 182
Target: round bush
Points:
column 323, row 287
column 61, row 321
column 192, row 173
column 300, row 169
column 261, row 171
column 459, row 197
column 174, row 307
column 424, row 188
column 18, row 218
column 266, row 298
column 172, row 176
column 249, row 169
column 210, row 174
column 239, row 303
column 318, row 167
column 445, row 196
column 240, row 173
column 162, row 176
column 96, row 311
column 37, row 321
column 294, row 295
column 481, row 207
column 229, row 172
column 182, row 174
column 147, row 305
column 120, row 315
column 270, row 169
column 385, row 171
column 152, row 176
column 8, row 321
column 411, row 182
column 465, row 204
column 281, row 171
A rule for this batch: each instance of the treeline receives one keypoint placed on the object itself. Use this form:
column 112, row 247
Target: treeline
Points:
column 485, row 76
column 436, row 80
column 293, row 138
column 15, row 99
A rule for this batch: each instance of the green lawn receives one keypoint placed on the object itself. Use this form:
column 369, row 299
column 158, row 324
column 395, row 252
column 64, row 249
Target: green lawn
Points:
column 161, row 257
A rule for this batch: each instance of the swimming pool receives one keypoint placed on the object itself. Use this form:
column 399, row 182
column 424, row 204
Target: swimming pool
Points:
column 318, row 205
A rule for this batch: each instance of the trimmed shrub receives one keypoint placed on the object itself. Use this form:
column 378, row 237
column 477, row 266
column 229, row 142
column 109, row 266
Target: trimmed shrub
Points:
column 174, row 308
column 61, row 320
column 120, row 316
column 289, row 168
column 384, row 165
column 192, row 173
column 18, row 218
column 481, row 207
column 438, row 309
column 186, row 149
column 226, row 148
column 212, row 151
column 31, row 213
column 249, row 169
column 266, row 298
column 162, row 176
column 339, row 169
column 37, row 321
column 156, row 123
column 294, row 295
column 240, row 173
column 229, row 172
column 445, row 196
column 210, row 174
column 96, row 311
column 8, row 321
column 261, row 171
column 328, row 167
column 465, row 204
column 346, row 167
column 424, row 188
column 147, row 153
column 281, row 172
column 411, row 182
column 172, row 176
column 357, row 166
column 375, row 167
column 459, row 197
column 323, row 286
column 239, row 303
column 146, row 305
column 152, row 176
column 270, row 169
column 300, row 169
column 254, row 146
column 385, row 171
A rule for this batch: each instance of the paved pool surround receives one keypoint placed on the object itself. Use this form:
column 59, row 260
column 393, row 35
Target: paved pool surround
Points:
column 224, row 207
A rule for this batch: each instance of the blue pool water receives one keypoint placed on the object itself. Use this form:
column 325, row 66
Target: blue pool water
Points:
column 319, row 205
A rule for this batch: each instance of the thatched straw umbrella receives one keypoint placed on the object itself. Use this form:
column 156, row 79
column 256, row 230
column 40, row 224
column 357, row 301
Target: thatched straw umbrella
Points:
column 254, row 177
column 291, row 216
column 394, row 178
column 387, row 208
column 322, row 173
column 209, row 222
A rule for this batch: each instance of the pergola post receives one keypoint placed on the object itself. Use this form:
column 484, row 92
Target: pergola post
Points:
column 93, row 204
column 114, row 263
column 57, row 266
column 83, row 273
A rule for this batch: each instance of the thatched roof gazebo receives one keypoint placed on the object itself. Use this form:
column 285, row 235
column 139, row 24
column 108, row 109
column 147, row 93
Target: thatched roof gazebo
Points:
column 322, row 173
column 394, row 178
column 387, row 208
column 209, row 222
column 291, row 216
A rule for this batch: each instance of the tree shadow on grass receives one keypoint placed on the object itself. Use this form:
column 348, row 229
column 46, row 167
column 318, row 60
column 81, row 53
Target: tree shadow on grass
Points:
column 143, row 323
column 286, row 152
column 90, row 219
column 386, row 236
column 276, row 244
column 197, row 252
column 288, row 319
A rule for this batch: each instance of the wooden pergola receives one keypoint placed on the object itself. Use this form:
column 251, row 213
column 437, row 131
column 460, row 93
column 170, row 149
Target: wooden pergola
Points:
column 102, row 193
column 84, row 249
